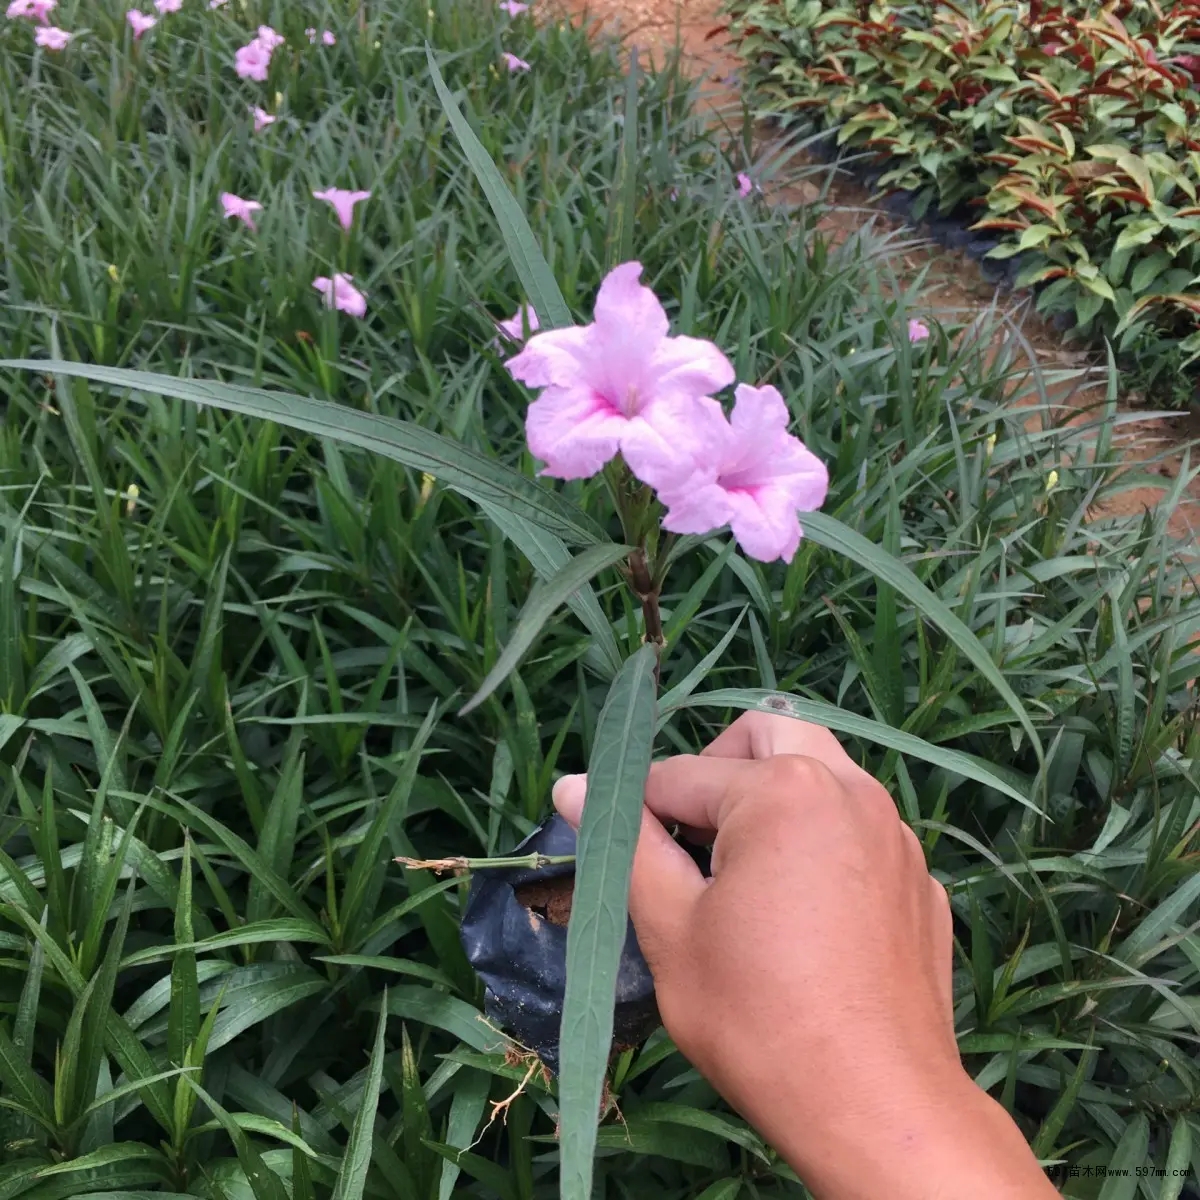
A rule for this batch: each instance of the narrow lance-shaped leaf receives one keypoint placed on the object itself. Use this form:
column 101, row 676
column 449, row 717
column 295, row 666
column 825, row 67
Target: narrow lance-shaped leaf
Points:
column 827, row 531
column 541, row 605
column 608, row 835
column 453, row 464
column 530, row 263
column 352, row 1175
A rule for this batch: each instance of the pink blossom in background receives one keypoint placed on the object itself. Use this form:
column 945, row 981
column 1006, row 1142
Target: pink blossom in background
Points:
column 50, row 37
column 262, row 119
column 140, row 22
column 619, row 384
column 328, row 38
column 745, row 185
column 217, row 3
column 168, row 6
column 343, row 202
column 918, row 331
column 751, row 475
column 340, row 293
column 513, row 8
column 252, row 61
column 40, row 10
column 269, row 38
column 18, row 9
column 513, row 63
column 242, row 210
column 311, row 34
column 514, row 327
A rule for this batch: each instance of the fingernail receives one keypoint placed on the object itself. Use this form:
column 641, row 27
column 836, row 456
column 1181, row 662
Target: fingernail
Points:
column 568, row 797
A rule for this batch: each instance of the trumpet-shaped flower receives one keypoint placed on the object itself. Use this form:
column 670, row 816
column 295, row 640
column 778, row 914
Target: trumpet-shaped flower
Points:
column 343, row 201
column 269, row 38
column 340, row 293
column 751, row 475
column 18, row 9
column 513, row 63
column 168, row 6
column 514, row 327
column 327, row 38
column 513, row 8
column 619, row 385
column 918, row 331
column 242, row 210
column 140, row 22
column 40, row 10
column 50, row 37
column 253, row 61
column 745, row 185
column 262, row 118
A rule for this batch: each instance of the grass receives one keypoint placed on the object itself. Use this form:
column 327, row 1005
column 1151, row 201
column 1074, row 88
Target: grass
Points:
column 229, row 696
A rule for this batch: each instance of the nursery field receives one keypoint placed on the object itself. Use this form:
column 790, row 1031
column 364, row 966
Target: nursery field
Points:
column 235, row 654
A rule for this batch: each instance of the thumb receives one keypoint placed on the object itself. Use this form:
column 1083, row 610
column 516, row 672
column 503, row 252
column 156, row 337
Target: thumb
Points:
column 666, row 883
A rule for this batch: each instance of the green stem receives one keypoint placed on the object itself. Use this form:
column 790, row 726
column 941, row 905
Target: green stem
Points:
column 533, row 862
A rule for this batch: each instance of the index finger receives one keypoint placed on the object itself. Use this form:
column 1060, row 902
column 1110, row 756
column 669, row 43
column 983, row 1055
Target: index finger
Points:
column 758, row 735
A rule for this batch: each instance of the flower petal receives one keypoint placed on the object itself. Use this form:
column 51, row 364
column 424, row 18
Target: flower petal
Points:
column 766, row 525
column 572, row 431
column 558, row 358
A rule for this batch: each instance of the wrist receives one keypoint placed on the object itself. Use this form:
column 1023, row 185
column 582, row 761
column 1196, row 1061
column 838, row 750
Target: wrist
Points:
column 938, row 1138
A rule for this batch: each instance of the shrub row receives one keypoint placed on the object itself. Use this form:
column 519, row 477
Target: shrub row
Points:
column 1071, row 129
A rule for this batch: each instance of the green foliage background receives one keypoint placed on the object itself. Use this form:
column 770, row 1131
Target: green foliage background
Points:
column 228, row 699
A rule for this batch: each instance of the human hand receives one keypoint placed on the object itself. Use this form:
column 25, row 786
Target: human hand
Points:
column 810, row 979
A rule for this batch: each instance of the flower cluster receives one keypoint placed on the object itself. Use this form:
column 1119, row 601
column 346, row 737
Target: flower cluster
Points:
column 253, row 60
column 339, row 292
column 622, row 385
column 514, row 8
column 47, row 36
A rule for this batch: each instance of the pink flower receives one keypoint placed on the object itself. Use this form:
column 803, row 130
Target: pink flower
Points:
column 50, row 37
column 745, row 185
column 269, row 38
column 340, row 293
column 168, row 6
column 513, row 8
column 212, row 4
column 262, row 119
column 343, row 202
column 918, row 331
column 252, row 61
column 18, row 9
column 139, row 22
column 40, row 10
column 514, row 329
column 311, row 34
column 243, row 210
column 619, row 384
column 513, row 63
column 752, row 475
column 328, row 38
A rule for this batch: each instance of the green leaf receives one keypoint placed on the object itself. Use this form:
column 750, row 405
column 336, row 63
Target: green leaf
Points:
column 532, row 269
column 452, row 464
column 264, row 1183
column 352, row 1175
column 1121, row 1181
column 833, row 535
column 184, row 1016
column 608, row 833
column 466, row 1111
column 623, row 204
column 106, row 1156
column 832, row 717
column 455, row 1016
column 541, row 605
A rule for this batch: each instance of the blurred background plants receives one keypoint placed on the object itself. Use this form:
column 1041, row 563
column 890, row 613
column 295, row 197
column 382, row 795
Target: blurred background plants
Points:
column 1069, row 129
column 231, row 656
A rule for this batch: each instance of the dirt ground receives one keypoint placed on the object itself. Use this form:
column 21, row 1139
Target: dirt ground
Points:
column 957, row 290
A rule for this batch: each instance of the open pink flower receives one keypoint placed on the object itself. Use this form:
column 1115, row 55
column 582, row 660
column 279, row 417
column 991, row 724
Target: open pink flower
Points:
column 18, row 9
column 514, row 327
column 328, row 39
column 918, row 331
column 40, row 10
column 50, row 37
column 140, row 22
column 242, row 210
column 340, row 293
column 745, row 185
column 343, row 202
column 168, row 6
column 619, row 384
column 751, row 475
column 252, row 61
column 262, row 118
column 513, row 63
column 269, row 38
column 513, row 8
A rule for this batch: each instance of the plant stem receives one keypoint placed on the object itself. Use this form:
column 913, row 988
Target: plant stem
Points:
column 533, row 862
column 644, row 589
